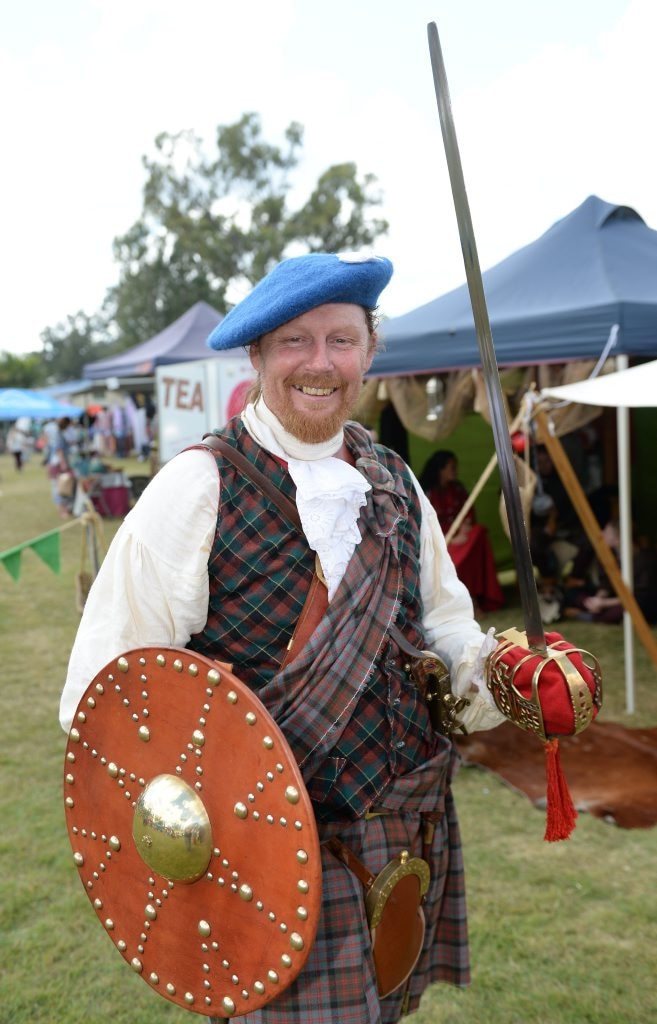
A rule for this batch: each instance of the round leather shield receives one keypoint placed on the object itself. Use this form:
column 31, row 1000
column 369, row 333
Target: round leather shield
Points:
column 192, row 830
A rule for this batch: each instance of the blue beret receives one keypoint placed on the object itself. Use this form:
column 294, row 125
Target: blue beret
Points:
column 297, row 285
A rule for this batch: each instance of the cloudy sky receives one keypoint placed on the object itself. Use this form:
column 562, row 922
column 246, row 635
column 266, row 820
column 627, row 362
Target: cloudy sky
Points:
column 552, row 102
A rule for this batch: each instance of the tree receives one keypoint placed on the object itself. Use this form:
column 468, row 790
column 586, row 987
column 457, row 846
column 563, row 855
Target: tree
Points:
column 21, row 371
column 212, row 226
column 69, row 345
column 333, row 219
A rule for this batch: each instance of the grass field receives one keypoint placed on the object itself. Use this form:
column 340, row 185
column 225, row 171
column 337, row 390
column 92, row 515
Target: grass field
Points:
column 561, row 933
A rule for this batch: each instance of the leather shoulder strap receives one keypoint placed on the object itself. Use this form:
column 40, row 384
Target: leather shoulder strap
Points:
column 316, row 600
column 240, row 461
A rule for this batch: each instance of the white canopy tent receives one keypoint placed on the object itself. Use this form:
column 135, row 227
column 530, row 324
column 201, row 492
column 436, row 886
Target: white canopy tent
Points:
column 629, row 388
column 633, row 388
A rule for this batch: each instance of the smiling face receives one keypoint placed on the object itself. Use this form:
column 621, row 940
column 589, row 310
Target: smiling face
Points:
column 311, row 369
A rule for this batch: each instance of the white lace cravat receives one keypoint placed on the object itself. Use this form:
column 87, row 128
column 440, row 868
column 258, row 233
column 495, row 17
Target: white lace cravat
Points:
column 330, row 492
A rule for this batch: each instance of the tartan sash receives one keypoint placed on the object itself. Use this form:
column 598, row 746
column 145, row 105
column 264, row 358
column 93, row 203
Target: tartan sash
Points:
column 344, row 669
column 313, row 698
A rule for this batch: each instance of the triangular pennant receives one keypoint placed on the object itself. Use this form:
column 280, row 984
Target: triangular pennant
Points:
column 12, row 562
column 47, row 548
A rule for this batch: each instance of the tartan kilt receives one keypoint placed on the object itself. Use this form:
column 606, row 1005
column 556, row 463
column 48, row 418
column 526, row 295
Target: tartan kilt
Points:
column 338, row 983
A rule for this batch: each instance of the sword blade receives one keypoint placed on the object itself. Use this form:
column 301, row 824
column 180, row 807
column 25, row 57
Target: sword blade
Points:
column 508, row 477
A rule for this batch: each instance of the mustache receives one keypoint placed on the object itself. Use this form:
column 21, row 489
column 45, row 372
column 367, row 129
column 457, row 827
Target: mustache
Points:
column 316, row 380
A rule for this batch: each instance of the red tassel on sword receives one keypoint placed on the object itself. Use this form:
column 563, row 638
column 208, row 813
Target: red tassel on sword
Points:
column 561, row 812
column 558, row 694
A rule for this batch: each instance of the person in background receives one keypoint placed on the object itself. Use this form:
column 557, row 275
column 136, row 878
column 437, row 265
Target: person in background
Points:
column 59, row 463
column 89, row 469
column 588, row 594
column 138, row 425
column 88, row 464
column 48, row 434
column 470, row 548
column 74, row 437
column 120, row 431
column 20, row 442
column 102, row 437
column 564, row 534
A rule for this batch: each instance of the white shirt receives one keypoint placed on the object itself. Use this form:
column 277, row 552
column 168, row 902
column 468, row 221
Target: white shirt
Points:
column 153, row 587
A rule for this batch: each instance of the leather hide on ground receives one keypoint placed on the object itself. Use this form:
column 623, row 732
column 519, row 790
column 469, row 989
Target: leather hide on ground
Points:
column 611, row 770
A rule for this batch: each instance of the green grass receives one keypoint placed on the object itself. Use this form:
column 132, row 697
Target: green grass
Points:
column 561, row 933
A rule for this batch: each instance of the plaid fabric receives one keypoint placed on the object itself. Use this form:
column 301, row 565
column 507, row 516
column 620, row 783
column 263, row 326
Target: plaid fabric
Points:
column 338, row 983
column 260, row 570
column 363, row 722
column 358, row 729
column 261, row 566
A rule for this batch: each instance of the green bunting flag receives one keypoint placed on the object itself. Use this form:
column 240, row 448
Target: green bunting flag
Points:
column 46, row 547
column 12, row 562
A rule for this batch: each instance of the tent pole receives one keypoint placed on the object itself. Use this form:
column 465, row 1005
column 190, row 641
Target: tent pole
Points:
column 593, row 531
column 626, row 529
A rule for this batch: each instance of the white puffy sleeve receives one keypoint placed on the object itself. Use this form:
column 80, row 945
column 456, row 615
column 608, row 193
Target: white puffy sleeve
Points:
column 449, row 624
column 152, row 586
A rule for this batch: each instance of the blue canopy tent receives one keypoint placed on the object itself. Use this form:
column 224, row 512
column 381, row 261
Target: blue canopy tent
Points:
column 555, row 300
column 62, row 390
column 180, row 342
column 17, row 402
column 587, row 281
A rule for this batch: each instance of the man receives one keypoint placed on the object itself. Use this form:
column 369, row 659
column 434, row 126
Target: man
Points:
column 205, row 560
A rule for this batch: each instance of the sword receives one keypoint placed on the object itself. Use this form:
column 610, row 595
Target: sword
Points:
column 508, row 477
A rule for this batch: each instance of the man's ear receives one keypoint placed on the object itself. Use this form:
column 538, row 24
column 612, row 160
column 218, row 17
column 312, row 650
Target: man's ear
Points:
column 254, row 356
column 371, row 352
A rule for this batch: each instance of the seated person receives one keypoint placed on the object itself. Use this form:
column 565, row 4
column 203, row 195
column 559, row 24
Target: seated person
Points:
column 588, row 594
column 556, row 536
column 89, row 469
column 567, row 534
column 470, row 548
column 542, row 532
column 89, row 464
